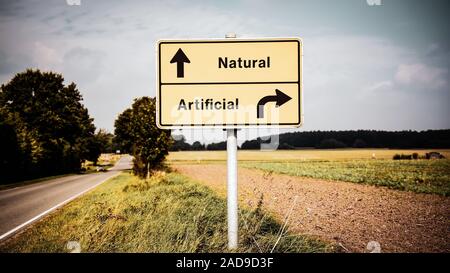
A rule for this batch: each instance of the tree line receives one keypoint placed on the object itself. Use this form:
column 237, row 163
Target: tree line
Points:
column 180, row 144
column 336, row 139
column 44, row 127
column 360, row 139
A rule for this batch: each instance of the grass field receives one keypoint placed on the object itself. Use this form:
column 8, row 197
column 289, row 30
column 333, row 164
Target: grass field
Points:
column 422, row 176
column 291, row 155
column 167, row 213
column 368, row 166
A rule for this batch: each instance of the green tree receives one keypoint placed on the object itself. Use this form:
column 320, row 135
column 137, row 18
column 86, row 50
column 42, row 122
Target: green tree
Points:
column 52, row 128
column 93, row 149
column 13, row 151
column 102, row 142
column 197, row 146
column 105, row 141
column 136, row 129
column 122, row 131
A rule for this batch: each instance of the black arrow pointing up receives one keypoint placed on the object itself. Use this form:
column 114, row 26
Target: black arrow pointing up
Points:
column 280, row 98
column 180, row 58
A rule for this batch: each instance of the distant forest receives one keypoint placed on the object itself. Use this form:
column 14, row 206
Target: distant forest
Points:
column 437, row 139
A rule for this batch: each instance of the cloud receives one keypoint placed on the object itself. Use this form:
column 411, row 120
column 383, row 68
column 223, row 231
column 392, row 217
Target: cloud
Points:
column 83, row 63
column 432, row 49
column 46, row 56
column 421, row 75
column 6, row 63
column 383, row 85
column 11, row 8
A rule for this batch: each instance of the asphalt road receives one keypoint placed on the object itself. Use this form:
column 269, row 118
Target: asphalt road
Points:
column 23, row 205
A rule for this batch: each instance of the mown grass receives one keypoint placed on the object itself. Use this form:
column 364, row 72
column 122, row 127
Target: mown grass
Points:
column 422, row 176
column 166, row 213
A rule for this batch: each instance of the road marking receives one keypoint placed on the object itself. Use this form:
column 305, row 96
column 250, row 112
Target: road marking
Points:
column 12, row 231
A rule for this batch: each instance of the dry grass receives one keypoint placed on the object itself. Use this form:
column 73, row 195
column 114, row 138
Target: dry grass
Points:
column 166, row 213
column 291, row 155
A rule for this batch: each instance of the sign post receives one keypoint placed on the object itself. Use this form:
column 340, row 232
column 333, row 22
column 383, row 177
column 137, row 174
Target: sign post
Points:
column 232, row 184
column 229, row 84
column 232, row 189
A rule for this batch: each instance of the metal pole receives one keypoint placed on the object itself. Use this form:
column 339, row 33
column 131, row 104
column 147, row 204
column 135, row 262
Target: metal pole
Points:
column 232, row 190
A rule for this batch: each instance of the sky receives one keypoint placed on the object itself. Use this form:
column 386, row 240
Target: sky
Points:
column 368, row 64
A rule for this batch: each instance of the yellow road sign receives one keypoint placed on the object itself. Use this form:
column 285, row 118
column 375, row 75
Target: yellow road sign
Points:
column 229, row 83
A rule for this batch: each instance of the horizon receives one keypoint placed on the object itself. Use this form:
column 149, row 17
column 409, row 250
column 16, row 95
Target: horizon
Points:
column 265, row 137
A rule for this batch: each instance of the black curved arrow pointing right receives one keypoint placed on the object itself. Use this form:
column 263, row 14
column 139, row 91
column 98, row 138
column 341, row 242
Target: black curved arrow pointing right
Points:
column 280, row 98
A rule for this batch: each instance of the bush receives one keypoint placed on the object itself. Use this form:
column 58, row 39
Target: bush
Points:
column 415, row 156
column 434, row 155
column 402, row 157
